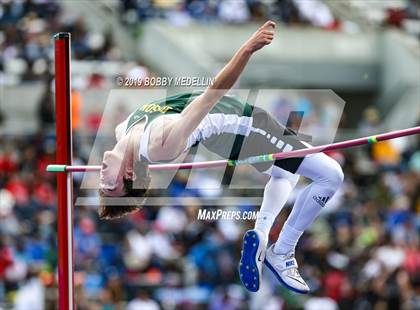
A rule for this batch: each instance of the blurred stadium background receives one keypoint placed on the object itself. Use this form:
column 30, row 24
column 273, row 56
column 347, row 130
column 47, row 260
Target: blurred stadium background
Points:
column 362, row 253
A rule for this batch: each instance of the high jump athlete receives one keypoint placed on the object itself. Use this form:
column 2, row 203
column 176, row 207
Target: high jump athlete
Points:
column 166, row 129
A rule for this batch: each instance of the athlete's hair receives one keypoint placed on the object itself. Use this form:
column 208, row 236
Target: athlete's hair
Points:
column 133, row 200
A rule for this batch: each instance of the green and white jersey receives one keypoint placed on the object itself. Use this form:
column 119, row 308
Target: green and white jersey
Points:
column 218, row 131
column 233, row 130
column 177, row 103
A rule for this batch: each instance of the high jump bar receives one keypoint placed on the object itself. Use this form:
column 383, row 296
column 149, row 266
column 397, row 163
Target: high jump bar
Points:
column 259, row 158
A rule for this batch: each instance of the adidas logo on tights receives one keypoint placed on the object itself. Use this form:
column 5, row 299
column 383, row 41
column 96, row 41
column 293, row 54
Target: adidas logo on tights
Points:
column 321, row 200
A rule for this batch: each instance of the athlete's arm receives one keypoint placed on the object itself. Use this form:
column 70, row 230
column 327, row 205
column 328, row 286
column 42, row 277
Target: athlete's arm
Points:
column 226, row 78
column 173, row 134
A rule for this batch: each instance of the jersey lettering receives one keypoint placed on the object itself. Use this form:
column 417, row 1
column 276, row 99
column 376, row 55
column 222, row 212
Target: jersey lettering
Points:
column 151, row 108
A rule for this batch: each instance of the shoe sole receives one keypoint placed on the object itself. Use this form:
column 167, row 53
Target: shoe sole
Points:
column 281, row 280
column 248, row 267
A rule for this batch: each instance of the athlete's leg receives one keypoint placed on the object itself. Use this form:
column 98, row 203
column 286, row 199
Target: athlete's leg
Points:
column 276, row 193
column 327, row 177
column 268, row 136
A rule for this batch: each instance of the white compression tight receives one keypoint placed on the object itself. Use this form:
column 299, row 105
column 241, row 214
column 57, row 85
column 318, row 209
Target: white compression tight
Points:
column 326, row 176
column 276, row 193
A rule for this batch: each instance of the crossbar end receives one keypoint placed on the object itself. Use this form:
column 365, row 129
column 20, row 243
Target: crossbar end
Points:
column 56, row 168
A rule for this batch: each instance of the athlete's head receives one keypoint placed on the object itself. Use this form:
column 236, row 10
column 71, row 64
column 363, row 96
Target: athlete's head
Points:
column 124, row 182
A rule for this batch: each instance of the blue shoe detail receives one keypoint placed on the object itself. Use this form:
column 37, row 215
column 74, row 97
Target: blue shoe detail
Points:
column 248, row 268
column 281, row 280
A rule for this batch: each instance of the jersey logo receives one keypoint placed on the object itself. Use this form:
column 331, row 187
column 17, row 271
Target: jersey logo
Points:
column 321, row 200
column 152, row 107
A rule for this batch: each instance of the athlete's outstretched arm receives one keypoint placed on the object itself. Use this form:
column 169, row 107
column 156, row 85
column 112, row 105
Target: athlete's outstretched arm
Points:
column 175, row 133
column 228, row 76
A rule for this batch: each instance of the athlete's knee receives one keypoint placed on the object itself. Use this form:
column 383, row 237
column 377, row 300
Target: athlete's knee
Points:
column 333, row 174
column 322, row 169
column 279, row 173
column 290, row 180
column 338, row 175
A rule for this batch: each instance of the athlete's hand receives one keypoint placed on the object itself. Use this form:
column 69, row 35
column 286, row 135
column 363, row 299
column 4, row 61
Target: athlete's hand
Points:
column 262, row 37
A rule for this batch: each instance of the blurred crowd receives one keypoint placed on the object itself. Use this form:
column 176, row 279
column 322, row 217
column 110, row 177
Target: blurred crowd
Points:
column 182, row 13
column 25, row 39
column 362, row 253
column 27, row 26
column 344, row 16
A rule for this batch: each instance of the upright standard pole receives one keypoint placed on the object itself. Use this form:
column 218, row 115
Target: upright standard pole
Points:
column 64, row 180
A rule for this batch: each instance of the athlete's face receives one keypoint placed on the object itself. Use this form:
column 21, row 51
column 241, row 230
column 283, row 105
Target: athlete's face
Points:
column 118, row 166
column 111, row 178
column 135, row 187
